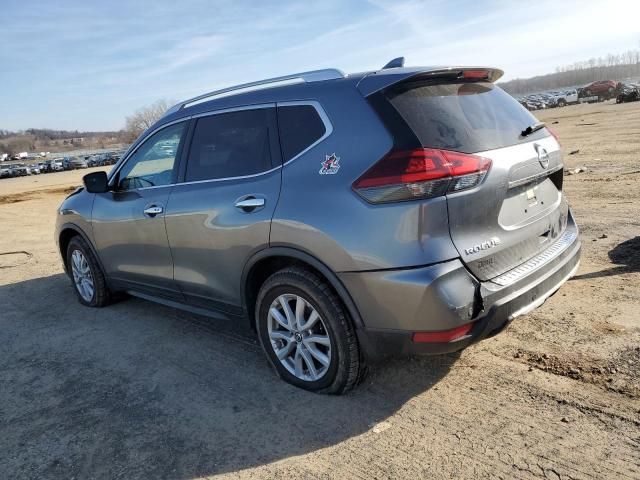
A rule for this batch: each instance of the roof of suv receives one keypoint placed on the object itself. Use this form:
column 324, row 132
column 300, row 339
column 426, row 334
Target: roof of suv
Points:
column 291, row 87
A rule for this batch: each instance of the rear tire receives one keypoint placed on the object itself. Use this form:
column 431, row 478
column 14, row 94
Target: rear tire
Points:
column 86, row 275
column 306, row 332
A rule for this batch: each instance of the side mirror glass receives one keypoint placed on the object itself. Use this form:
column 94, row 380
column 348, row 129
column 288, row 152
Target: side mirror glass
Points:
column 96, row 182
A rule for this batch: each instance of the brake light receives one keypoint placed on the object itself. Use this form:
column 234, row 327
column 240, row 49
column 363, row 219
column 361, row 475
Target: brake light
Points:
column 420, row 173
column 475, row 74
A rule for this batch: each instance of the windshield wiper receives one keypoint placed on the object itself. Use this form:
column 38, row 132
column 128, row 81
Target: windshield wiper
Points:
column 532, row 128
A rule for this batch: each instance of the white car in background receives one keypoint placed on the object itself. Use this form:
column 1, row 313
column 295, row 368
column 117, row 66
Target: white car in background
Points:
column 565, row 97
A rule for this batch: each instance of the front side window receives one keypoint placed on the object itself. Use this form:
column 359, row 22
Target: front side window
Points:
column 233, row 144
column 153, row 162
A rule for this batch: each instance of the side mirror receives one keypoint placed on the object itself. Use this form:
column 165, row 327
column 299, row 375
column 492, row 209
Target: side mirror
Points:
column 96, row 182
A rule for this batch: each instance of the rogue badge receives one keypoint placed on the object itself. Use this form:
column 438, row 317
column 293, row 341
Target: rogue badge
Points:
column 492, row 242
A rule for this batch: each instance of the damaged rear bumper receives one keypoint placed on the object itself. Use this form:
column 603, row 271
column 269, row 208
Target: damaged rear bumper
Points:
column 444, row 297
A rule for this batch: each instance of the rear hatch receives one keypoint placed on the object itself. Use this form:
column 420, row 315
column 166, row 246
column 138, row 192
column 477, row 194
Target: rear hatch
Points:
column 518, row 208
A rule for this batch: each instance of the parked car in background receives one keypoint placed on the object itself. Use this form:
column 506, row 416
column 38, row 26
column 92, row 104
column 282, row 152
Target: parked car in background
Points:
column 20, row 170
column 118, row 155
column 93, row 160
column 6, row 171
column 54, row 165
column 531, row 102
column 604, row 89
column 527, row 104
column 109, row 158
column 345, row 218
column 571, row 96
column 74, row 163
column 629, row 93
column 34, row 168
column 78, row 162
column 550, row 99
column 565, row 97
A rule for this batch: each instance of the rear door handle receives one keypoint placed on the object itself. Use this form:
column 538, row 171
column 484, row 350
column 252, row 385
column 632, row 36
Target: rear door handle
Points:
column 153, row 210
column 250, row 204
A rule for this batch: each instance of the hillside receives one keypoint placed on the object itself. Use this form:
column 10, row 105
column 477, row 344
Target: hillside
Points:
column 612, row 67
column 39, row 140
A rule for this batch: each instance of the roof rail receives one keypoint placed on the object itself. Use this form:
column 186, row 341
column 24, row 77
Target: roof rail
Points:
column 306, row 77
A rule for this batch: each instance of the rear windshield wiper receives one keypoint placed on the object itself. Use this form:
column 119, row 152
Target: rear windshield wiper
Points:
column 532, row 128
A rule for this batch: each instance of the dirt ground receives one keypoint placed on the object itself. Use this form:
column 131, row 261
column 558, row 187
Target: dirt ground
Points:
column 138, row 390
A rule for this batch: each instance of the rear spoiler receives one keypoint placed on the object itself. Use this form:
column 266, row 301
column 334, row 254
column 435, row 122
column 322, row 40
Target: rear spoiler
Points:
column 385, row 78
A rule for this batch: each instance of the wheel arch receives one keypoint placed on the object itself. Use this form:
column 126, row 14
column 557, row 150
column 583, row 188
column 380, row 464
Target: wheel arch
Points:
column 265, row 262
column 67, row 232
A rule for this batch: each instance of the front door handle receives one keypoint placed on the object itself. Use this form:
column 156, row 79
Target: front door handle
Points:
column 250, row 204
column 153, row 210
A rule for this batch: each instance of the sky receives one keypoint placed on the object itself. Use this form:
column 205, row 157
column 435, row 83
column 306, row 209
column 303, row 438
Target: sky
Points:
column 87, row 64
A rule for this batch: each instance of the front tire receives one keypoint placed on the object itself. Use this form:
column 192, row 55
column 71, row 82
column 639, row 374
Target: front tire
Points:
column 306, row 332
column 86, row 275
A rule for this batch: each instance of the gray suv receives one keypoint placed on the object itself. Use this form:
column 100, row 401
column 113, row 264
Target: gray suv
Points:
column 343, row 217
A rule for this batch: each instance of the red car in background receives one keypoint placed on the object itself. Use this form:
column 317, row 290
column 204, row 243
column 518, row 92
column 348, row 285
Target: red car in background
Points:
column 602, row 88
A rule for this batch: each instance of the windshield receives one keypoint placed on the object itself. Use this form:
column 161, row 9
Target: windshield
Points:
column 464, row 117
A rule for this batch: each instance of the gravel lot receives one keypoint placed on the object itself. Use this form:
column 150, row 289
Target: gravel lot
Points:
column 138, row 390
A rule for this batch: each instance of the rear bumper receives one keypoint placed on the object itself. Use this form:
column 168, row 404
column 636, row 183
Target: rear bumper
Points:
column 395, row 304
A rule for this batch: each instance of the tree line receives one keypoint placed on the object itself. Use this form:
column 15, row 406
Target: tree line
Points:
column 50, row 134
column 39, row 139
column 610, row 67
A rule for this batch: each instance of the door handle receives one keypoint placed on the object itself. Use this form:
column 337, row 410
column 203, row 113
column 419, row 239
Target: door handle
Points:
column 153, row 210
column 250, row 204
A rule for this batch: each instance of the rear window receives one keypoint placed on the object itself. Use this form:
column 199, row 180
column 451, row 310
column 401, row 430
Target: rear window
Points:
column 230, row 145
column 300, row 127
column 464, row 117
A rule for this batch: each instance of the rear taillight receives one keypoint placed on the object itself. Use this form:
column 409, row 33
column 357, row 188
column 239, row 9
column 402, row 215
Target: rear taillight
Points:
column 554, row 135
column 420, row 173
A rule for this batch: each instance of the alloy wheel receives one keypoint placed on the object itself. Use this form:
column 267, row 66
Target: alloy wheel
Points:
column 299, row 337
column 82, row 277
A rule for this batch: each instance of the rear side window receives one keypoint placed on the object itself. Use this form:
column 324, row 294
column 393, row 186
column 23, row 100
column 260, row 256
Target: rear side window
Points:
column 300, row 127
column 464, row 117
column 233, row 144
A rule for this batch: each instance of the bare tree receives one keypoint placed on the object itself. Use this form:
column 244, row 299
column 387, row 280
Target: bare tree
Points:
column 143, row 118
column 621, row 67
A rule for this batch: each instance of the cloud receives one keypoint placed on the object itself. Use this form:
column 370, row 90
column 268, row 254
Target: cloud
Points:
column 87, row 65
